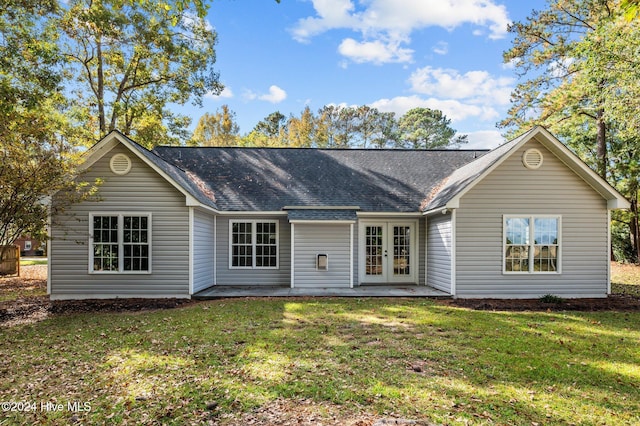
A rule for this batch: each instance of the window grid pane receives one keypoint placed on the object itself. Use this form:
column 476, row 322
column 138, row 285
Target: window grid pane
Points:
column 401, row 250
column 105, row 243
column 531, row 244
column 266, row 245
column 241, row 245
column 373, row 250
column 133, row 248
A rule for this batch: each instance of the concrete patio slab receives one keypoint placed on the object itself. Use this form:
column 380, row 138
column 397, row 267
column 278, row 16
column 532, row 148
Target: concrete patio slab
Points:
column 223, row 291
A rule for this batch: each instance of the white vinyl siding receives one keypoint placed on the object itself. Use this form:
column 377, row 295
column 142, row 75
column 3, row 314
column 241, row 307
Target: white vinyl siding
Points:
column 141, row 191
column 203, row 251
column 334, row 240
column 439, row 252
column 551, row 190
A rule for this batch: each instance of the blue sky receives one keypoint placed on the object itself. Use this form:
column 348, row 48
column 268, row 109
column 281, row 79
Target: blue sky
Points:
column 390, row 54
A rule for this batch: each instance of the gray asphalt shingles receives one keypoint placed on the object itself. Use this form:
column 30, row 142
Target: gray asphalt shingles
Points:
column 268, row 179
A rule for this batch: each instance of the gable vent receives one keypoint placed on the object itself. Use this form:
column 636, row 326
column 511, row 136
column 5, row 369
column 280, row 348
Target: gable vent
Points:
column 120, row 164
column 532, row 158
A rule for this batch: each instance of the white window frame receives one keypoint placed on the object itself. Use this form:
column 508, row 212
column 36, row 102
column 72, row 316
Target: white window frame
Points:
column 28, row 245
column 254, row 228
column 531, row 245
column 120, row 242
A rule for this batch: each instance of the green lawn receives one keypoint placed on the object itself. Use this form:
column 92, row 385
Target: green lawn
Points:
column 33, row 262
column 378, row 357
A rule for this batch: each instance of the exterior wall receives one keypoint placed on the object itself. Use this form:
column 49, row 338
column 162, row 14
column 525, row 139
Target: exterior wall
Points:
column 313, row 239
column 258, row 276
column 439, row 252
column 553, row 189
column 203, row 251
column 141, row 190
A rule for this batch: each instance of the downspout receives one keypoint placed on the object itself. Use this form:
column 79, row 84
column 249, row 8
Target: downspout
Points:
column 351, row 255
column 453, row 253
column 293, row 255
column 426, row 248
column 215, row 250
column 191, row 248
column 609, row 251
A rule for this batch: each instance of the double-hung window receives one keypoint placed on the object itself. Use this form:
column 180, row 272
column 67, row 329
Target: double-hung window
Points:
column 253, row 244
column 120, row 243
column 531, row 244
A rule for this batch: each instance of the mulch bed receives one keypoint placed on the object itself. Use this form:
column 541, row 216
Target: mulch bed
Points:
column 32, row 309
column 615, row 302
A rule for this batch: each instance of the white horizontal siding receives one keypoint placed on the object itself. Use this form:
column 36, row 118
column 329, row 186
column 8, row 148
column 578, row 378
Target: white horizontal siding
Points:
column 142, row 190
column 203, row 249
column 553, row 189
column 439, row 252
column 257, row 276
column 333, row 240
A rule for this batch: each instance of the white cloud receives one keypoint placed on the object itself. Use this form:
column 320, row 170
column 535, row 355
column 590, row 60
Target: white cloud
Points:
column 484, row 139
column 226, row 93
column 377, row 51
column 393, row 21
column 275, row 95
column 441, row 48
column 453, row 109
column 477, row 87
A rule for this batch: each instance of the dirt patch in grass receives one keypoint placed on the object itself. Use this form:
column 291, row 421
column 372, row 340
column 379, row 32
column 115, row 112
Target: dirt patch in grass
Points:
column 615, row 302
column 305, row 412
column 24, row 300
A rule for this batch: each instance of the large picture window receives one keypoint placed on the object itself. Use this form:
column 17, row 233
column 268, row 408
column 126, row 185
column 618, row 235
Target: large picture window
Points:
column 532, row 244
column 120, row 243
column 253, row 244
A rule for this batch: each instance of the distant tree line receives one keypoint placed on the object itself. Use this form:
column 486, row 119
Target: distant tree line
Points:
column 332, row 127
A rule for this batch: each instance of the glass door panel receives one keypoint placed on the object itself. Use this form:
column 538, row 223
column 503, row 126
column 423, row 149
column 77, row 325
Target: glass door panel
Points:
column 402, row 251
column 374, row 250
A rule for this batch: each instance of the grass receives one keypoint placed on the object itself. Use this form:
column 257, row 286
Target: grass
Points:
column 625, row 279
column 411, row 358
column 33, row 262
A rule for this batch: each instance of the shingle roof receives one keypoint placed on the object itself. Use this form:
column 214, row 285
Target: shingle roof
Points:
column 188, row 181
column 322, row 214
column 455, row 183
column 268, row 179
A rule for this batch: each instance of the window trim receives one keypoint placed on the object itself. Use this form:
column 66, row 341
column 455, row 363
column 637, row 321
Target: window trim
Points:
column 254, row 231
column 121, row 215
column 532, row 244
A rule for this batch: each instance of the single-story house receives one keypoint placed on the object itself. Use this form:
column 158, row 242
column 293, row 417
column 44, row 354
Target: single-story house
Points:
column 526, row 219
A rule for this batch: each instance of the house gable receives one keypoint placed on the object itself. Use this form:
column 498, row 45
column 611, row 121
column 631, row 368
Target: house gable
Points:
column 462, row 180
column 513, row 190
column 196, row 192
column 140, row 192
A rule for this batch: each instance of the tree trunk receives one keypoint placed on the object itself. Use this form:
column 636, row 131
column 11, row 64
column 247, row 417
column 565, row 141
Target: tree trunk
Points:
column 601, row 144
column 634, row 225
column 101, row 113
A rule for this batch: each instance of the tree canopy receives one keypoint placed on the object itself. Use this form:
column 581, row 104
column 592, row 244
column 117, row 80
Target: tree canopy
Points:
column 336, row 127
column 36, row 156
column 129, row 60
column 578, row 63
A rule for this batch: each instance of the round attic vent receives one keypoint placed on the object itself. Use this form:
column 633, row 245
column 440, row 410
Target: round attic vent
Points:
column 120, row 164
column 532, row 158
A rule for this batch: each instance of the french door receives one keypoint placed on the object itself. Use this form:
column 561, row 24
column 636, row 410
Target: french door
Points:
column 389, row 252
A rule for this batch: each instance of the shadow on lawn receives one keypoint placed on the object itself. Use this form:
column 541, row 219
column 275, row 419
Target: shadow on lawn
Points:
column 219, row 360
